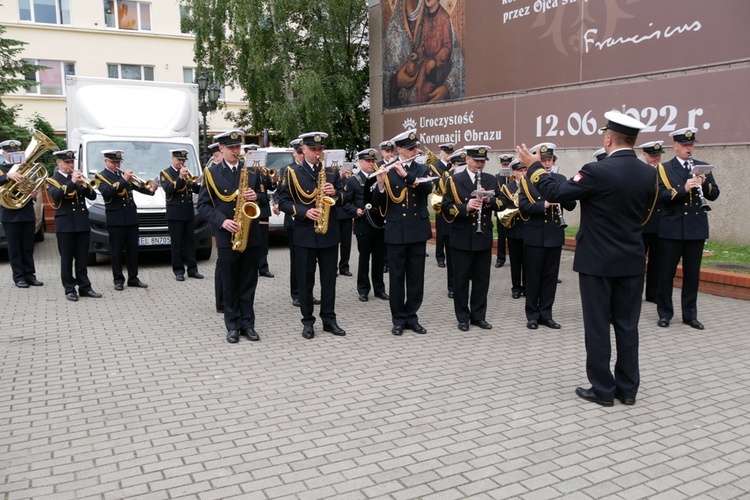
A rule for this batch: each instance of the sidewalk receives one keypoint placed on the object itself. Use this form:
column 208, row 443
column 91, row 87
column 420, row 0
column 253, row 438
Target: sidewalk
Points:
column 138, row 395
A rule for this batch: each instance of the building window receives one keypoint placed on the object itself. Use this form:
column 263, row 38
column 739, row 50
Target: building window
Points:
column 127, row 15
column 45, row 11
column 51, row 80
column 185, row 20
column 188, row 76
column 130, row 72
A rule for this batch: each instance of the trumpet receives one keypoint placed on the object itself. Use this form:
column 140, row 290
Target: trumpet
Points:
column 140, row 183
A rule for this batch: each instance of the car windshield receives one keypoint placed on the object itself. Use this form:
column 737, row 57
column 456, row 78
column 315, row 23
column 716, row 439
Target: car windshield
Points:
column 145, row 158
column 279, row 160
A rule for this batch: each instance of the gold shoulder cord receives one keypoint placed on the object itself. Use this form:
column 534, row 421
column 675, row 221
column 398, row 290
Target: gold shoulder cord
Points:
column 653, row 205
column 52, row 182
column 506, row 191
column 453, row 211
column 665, row 180
column 404, row 192
column 104, row 179
column 302, row 194
column 212, row 187
column 525, row 187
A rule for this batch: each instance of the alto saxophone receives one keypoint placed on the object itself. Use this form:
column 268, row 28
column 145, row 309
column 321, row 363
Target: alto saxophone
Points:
column 323, row 203
column 244, row 213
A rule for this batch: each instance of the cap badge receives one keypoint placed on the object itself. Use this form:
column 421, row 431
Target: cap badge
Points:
column 372, row 152
column 688, row 134
column 69, row 154
column 317, row 138
column 657, row 146
column 118, row 155
column 412, row 136
column 482, row 151
column 234, row 136
column 543, row 149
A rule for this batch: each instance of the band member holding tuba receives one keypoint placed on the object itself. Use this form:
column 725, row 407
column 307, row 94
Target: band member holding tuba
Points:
column 18, row 223
column 179, row 185
column 503, row 177
column 469, row 213
column 440, row 169
column 543, row 239
column 117, row 189
column 684, row 227
column 651, row 153
column 68, row 190
column 368, row 228
column 308, row 194
column 229, row 199
column 407, row 229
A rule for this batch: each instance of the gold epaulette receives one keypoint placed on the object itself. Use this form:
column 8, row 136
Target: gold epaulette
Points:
column 535, row 176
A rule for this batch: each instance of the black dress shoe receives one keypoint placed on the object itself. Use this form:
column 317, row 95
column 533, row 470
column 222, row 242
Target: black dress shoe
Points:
column 250, row 334
column 550, row 323
column 119, row 287
column 624, row 400
column 295, row 302
column 515, row 295
column 482, row 324
column 441, row 264
column 34, row 282
column 663, row 322
column 233, row 336
column 179, row 277
column 464, row 327
column 72, row 296
column 196, row 275
column 334, row 329
column 308, row 332
column 559, row 280
column 22, row 284
column 345, row 273
column 381, row 295
column 499, row 264
column 417, row 328
column 316, row 302
column 363, row 297
column 693, row 323
column 220, row 310
column 588, row 395
column 532, row 324
column 450, row 294
column 397, row 330
column 266, row 274
column 92, row 294
column 138, row 284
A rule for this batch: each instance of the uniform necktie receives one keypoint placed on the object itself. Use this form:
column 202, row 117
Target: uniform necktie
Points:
column 687, row 166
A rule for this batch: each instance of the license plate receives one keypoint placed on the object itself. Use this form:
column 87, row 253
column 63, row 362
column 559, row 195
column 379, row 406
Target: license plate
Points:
column 154, row 240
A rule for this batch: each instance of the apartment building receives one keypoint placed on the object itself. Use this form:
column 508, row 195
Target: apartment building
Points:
column 125, row 39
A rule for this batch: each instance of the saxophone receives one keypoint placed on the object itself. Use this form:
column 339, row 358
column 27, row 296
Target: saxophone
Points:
column 323, row 203
column 244, row 213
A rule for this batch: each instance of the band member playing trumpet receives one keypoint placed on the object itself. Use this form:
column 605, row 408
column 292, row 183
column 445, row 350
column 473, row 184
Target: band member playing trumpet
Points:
column 308, row 194
column 117, row 189
column 470, row 217
column 543, row 239
column 221, row 204
column 407, row 229
column 368, row 228
column 179, row 185
column 68, row 189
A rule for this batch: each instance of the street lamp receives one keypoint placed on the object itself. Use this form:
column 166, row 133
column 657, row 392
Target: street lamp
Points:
column 208, row 98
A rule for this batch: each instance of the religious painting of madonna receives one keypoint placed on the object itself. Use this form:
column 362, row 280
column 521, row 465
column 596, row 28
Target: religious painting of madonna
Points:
column 423, row 59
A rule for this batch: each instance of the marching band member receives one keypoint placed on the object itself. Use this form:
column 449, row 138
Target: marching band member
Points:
column 651, row 152
column 440, row 169
column 387, row 151
column 217, row 158
column 514, row 233
column 457, row 163
column 502, row 179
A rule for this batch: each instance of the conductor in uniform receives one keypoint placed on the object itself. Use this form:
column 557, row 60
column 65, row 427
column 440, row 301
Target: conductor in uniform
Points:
column 616, row 195
column 121, row 211
column 179, row 187
column 470, row 225
column 651, row 152
column 217, row 202
column 301, row 188
column 407, row 229
column 684, row 227
column 68, row 190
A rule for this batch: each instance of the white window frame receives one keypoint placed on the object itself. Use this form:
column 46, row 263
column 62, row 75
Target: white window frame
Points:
column 37, row 76
column 116, row 16
column 141, row 66
column 58, row 12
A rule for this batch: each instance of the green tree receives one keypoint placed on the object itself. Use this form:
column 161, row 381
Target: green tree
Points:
column 12, row 71
column 302, row 65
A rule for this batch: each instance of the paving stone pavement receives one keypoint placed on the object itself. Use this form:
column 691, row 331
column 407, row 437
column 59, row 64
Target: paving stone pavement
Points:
column 138, row 395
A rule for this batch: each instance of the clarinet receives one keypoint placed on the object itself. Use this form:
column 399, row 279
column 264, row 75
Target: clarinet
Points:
column 479, row 211
column 704, row 204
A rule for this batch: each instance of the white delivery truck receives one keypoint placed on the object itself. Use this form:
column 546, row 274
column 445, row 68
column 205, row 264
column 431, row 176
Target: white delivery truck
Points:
column 145, row 120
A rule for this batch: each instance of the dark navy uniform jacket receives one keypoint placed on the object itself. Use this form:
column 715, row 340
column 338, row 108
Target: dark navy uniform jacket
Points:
column 179, row 195
column 23, row 214
column 681, row 216
column 463, row 223
column 119, row 206
column 360, row 189
column 541, row 225
column 405, row 205
column 219, row 182
column 296, row 197
column 288, row 219
column 69, row 200
column 609, row 242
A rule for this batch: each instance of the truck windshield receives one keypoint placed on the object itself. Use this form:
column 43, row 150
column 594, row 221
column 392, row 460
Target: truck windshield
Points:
column 145, row 158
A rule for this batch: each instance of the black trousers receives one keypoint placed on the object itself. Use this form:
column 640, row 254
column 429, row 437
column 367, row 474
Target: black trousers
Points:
column 501, row 239
column 652, row 245
column 441, row 242
column 263, row 245
column 239, row 273
column 293, row 285
column 20, row 237
column 691, row 253
column 218, row 284
column 182, row 234
column 406, row 281
column 124, row 238
column 371, row 249
column 74, row 247
column 448, row 261
column 542, row 265
column 346, row 244
column 517, row 271
column 305, row 260
column 615, row 301
column 471, row 268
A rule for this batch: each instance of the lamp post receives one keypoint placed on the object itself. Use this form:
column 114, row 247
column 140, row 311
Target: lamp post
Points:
column 208, row 98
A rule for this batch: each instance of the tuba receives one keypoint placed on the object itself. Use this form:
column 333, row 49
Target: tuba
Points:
column 15, row 195
column 244, row 213
column 323, row 203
